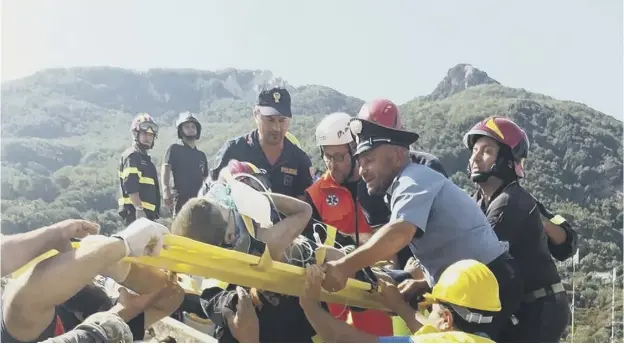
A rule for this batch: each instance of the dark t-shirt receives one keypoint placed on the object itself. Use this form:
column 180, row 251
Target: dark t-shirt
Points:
column 189, row 167
column 280, row 317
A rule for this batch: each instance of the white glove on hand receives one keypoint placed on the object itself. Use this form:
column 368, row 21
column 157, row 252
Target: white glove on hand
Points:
column 143, row 238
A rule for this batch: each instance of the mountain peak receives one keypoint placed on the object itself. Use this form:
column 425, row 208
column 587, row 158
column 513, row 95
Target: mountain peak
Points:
column 459, row 78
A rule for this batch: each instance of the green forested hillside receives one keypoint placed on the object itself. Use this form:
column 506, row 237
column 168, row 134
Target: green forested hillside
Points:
column 64, row 129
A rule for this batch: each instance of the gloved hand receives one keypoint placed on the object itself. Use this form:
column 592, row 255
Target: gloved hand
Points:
column 143, row 237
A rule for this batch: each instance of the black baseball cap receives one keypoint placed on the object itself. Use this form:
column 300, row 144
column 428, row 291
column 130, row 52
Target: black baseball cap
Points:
column 274, row 102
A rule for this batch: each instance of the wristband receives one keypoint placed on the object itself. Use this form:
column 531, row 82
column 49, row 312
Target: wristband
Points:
column 125, row 243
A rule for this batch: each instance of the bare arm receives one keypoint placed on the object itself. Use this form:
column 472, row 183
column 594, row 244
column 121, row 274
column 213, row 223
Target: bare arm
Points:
column 165, row 173
column 333, row 330
column 409, row 315
column 283, row 233
column 28, row 311
column 24, row 247
column 414, row 269
column 147, row 280
column 387, row 241
column 136, row 200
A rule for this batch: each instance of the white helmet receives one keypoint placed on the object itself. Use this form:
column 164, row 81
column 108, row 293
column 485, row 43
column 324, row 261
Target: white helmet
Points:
column 334, row 130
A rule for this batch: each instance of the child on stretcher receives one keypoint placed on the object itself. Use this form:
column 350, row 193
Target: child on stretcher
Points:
column 214, row 218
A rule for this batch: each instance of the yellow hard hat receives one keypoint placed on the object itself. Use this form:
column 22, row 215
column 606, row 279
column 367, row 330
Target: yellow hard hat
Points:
column 467, row 283
column 292, row 139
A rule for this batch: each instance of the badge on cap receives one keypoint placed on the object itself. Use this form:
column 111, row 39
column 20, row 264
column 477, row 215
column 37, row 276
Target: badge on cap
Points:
column 356, row 127
column 276, row 97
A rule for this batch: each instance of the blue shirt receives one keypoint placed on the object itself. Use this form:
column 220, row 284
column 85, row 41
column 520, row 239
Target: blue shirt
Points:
column 451, row 227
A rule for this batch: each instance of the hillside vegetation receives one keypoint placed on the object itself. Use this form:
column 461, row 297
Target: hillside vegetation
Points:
column 63, row 131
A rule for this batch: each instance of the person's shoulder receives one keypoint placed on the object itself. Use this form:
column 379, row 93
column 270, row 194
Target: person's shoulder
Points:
column 297, row 152
column 130, row 153
column 240, row 141
column 420, row 173
column 248, row 138
column 417, row 176
column 424, row 158
column 235, row 144
column 514, row 195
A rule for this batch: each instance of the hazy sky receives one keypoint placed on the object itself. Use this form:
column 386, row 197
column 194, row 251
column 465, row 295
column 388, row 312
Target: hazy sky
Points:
column 569, row 49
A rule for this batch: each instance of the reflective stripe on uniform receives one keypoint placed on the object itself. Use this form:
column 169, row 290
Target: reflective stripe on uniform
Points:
column 145, row 205
column 330, row 240
column 543, row 292
column 557, row 220
column 130, row 170
column 249, row 225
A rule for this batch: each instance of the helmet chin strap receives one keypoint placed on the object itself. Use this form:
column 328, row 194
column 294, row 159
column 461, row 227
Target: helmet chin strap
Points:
column 482, row 177
column 141, row 145
column 498, row 170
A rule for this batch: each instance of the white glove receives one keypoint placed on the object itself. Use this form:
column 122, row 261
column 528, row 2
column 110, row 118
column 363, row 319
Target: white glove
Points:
column 143, row 238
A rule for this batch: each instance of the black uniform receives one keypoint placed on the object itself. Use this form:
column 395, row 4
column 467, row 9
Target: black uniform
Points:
column 515, row 217
column 375, row 208
column 280, row 317
column 290, row 175
column 189, row 167
column 137, row 173
column 570, row 246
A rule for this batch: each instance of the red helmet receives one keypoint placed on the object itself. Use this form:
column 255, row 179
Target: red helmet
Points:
column 143, row 122
column 235, row 167
column 383, row 112
column 505, row 132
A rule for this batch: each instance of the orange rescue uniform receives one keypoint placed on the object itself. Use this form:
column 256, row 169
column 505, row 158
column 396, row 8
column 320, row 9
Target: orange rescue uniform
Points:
column 334, row 204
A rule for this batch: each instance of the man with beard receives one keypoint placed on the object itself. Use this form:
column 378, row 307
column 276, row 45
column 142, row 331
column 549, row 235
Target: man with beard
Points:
column 334, row 201
column 185, row 162
column 384, row 112
column 498, row 148
column 286, row 165
column 439, row 221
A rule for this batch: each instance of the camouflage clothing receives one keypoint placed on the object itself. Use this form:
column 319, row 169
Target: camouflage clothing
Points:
column 102, row 327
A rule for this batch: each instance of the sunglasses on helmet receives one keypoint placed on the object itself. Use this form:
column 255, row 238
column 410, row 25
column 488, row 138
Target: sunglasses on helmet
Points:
column 149, row 127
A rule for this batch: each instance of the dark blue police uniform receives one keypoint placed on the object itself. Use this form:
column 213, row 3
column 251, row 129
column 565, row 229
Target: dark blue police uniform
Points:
column 290, row 175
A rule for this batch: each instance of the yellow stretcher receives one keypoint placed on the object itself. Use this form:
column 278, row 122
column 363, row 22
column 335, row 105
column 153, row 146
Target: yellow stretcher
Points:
column 186, row 256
